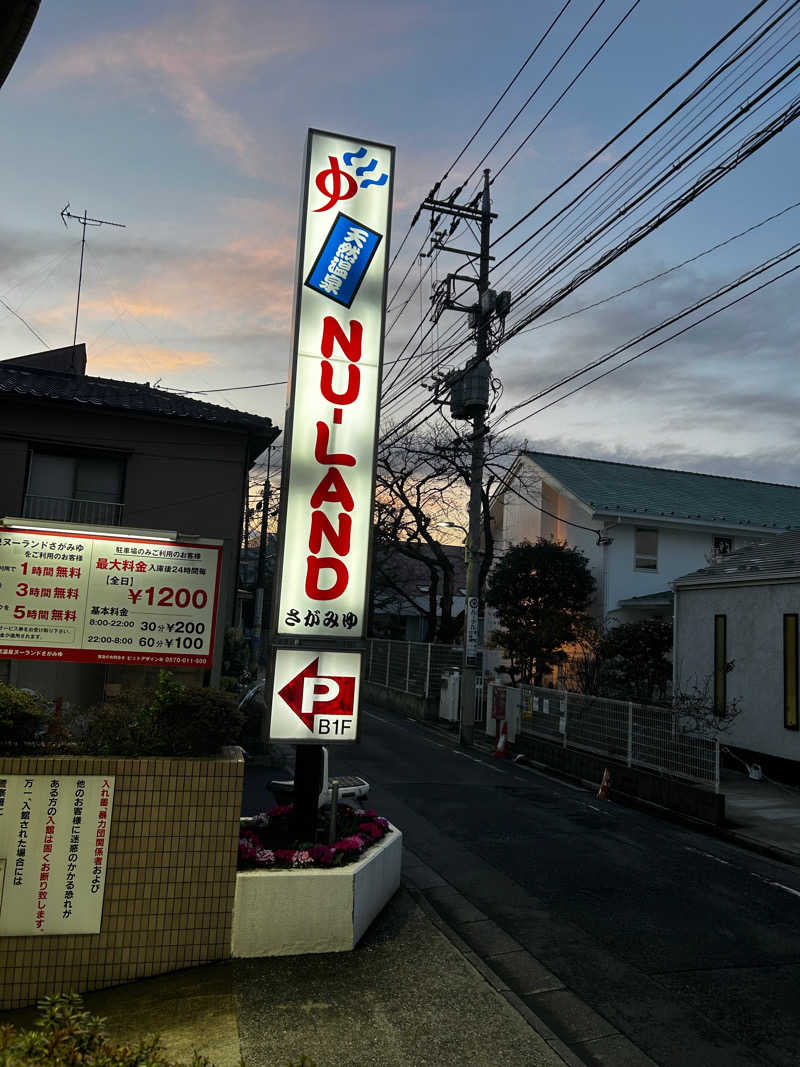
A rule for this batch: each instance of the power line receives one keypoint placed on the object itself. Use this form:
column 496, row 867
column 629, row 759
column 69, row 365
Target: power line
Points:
column 612, row 197
column 767, row 265
column 644, row 111
column 24, row 322
column 661, row 274
column 230, row 388
column 707, row 179
column 655, row 155
column 561, row 96
column 538, row 507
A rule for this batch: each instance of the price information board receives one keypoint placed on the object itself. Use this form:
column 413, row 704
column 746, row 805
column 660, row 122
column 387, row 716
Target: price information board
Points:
column 101, row 598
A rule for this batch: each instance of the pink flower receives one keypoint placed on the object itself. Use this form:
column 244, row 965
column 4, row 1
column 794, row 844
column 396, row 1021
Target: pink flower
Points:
column 354, row 843
column 247, row 850
column 302, row 859
column 372, row 830
column 264, row 857
column 279, row 811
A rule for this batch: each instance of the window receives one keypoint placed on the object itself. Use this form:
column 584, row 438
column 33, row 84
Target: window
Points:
column 790, row 672
column 75, row 488
column 723, row 545
column 720, row 663
column 645, row 549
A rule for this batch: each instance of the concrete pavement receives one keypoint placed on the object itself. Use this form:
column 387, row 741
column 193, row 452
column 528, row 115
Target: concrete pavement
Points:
column 762, row 815
column 406, row 997
column 433, row 981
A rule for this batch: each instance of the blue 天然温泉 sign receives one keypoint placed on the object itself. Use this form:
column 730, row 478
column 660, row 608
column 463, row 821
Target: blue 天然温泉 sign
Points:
column 343, row 260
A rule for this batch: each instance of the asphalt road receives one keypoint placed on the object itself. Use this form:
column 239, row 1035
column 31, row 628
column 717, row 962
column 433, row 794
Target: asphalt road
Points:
column 688, row 945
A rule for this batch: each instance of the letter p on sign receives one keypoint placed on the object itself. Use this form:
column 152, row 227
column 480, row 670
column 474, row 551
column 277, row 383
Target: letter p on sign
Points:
column 318, row 691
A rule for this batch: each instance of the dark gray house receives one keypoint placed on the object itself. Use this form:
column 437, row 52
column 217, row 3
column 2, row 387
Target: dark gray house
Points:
column 97, row 451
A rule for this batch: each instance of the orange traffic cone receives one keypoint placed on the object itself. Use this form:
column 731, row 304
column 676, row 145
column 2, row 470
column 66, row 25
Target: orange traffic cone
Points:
column 502, row 741
column 605, row 785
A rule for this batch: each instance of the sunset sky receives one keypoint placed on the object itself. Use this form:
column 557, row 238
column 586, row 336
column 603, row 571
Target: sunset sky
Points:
column 186, row 122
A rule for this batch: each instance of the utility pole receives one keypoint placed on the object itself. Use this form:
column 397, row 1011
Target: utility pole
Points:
column 261, row 572
column 85, row 221
column 469, row 399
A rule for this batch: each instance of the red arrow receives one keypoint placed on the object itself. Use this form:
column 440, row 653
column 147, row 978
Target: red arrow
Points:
column 341, row 703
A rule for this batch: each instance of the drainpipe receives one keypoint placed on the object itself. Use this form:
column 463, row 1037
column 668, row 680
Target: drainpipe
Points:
column 674, row 641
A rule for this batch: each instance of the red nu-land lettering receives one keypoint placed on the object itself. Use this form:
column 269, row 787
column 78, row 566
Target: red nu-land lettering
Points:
column 332, row 487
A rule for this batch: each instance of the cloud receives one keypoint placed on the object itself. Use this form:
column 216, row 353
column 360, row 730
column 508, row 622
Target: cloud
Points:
column 193, row 59
column 138, row 361
column 186, row 60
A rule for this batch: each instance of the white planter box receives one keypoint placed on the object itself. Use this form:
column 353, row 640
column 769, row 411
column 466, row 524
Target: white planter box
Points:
column 288, row 913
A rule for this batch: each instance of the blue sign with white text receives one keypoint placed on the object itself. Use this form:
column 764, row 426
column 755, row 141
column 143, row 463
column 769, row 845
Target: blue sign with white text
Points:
column 343, row 261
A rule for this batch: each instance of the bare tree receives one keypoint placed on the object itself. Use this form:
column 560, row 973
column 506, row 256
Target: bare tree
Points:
column 423, row 481
column 697, row 709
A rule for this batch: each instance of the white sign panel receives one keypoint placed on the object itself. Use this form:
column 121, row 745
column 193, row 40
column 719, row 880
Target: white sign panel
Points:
column 336, row 373
column 106, row 598
column 315, row 696
column 54, row 833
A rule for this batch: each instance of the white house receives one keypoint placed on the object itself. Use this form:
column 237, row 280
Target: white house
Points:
column 737, row 631
column 639, row 527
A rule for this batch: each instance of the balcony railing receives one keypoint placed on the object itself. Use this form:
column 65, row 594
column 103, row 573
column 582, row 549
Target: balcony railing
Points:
column 62, row 509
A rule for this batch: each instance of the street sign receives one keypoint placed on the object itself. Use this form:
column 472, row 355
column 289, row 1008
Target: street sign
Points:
column 335, row 382
column 315, row 696
column 472, row 627
column 95, row 595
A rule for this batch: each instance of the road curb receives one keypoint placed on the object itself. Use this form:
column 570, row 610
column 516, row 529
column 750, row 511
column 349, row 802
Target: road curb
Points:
column 531, row 1018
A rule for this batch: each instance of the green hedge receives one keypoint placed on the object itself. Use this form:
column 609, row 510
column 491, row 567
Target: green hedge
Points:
column 66, row 1036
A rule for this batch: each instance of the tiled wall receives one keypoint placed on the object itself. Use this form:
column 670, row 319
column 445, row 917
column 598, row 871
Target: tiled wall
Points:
column 170, row 878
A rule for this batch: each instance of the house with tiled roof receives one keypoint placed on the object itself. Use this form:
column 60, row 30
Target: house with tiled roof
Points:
column 737, row 634
column 83, row 449
column 640, row 527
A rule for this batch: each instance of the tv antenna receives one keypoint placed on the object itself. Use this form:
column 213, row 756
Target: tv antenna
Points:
column 85, row 221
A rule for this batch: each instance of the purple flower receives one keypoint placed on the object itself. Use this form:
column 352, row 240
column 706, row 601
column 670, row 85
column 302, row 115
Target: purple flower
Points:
column 279, row 811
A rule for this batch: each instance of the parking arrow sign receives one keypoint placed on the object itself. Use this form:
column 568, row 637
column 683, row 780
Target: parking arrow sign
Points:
column 321, row 695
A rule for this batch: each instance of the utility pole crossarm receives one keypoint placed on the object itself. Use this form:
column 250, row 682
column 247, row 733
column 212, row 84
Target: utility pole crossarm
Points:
column 446, row 208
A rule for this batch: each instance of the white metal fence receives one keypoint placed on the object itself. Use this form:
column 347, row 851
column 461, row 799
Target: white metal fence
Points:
column 639, row 735
column 417, row 667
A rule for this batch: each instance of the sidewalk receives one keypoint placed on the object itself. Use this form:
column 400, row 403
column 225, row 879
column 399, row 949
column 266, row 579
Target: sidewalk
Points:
column 762, row 815
column 405, row 997
column 433, row 981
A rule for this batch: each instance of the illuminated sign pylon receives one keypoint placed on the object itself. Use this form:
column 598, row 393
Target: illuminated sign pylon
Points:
column 329, row 471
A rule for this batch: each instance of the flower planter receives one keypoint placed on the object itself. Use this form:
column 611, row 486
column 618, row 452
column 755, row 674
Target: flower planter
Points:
column 293, row 912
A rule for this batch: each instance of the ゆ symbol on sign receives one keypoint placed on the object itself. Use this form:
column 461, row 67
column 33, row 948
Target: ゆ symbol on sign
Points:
column 335, row 184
